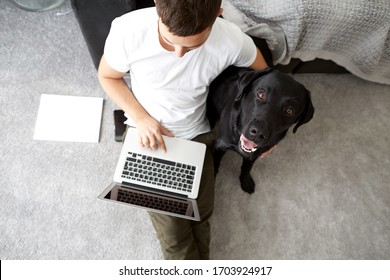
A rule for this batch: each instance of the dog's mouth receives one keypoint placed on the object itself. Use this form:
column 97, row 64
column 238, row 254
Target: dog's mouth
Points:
column 247, row 145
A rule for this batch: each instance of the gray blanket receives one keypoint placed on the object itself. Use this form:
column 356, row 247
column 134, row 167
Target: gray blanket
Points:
column 353, row 33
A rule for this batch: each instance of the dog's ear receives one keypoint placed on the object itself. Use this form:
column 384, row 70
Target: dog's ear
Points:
column 307, row 114
column 246, row 78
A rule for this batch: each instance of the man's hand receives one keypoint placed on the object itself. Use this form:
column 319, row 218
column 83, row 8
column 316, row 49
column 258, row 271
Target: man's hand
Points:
column 267, row 152
column 150, row 133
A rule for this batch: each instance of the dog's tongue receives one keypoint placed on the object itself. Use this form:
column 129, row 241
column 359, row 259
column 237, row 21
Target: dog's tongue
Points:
column 248, row 144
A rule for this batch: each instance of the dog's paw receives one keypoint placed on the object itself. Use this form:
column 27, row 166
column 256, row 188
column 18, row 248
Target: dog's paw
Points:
column 247, row 184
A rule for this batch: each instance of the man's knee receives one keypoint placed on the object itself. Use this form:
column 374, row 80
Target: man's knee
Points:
column 175, row 236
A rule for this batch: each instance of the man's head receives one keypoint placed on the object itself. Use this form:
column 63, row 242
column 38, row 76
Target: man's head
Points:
column 185, row 25
column 188, row 17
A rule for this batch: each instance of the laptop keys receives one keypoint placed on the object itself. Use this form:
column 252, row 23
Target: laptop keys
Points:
column 159, row 172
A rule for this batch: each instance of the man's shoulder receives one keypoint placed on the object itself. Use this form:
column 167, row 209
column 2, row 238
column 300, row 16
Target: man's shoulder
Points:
column 226, row 32
column 225, row 25
column 137, row 19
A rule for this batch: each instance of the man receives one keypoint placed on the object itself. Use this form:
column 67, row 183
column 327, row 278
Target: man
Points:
column 173, row 52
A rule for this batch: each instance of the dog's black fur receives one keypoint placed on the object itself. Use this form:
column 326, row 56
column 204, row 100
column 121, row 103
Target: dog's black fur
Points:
column 255, row 109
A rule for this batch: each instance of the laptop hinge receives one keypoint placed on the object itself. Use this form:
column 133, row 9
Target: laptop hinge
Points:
column 153, row 190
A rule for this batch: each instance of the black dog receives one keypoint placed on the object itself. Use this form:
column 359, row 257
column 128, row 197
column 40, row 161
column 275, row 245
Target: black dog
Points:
column 255, row 109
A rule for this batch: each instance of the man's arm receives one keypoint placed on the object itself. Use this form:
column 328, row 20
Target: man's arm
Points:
column 259, row 63
column 150, row 131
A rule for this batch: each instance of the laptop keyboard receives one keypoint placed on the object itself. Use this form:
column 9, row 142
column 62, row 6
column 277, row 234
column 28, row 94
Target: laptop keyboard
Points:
column 158, row 203
column 159, row 172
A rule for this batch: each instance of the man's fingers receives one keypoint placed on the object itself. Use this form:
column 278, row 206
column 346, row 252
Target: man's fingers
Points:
column 153, row 137
column 166, row 132
column 267, row 152
column 151, row 141
column 161, row 143
column 143, row 141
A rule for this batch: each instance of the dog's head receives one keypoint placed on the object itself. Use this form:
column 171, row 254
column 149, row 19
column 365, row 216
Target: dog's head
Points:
column 270, row 102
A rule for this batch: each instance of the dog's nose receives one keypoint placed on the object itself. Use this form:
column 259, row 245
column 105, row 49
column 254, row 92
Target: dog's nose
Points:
column 253, row 131
column 261, row 133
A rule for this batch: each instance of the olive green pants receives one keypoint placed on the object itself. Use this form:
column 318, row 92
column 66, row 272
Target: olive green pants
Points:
column 185, row 239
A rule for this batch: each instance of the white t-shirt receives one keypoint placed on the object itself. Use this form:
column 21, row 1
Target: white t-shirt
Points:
column 173, row 90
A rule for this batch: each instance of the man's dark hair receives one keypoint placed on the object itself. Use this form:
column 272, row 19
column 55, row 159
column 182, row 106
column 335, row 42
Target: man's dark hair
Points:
column 187, row 17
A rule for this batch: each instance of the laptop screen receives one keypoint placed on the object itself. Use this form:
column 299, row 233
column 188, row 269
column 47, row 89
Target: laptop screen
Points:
column 155, row 202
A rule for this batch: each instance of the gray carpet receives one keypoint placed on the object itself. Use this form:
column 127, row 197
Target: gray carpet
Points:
column 324, row 193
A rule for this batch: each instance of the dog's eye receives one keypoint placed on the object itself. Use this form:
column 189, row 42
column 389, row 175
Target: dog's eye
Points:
column 261, row 95
column 289, row 111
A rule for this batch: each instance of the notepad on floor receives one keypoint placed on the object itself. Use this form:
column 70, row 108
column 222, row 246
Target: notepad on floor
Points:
column 69, row 118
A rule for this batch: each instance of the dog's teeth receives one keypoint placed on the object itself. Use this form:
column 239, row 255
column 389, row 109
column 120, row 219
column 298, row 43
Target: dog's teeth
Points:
column 247, row 150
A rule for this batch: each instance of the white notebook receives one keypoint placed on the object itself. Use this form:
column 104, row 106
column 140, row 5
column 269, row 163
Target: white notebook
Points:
column 69, row 118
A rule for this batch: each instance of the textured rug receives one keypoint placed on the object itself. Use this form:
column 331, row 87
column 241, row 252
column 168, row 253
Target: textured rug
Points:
column 322, row 194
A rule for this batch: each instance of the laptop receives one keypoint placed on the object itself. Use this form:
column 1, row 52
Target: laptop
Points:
column 166, row 183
